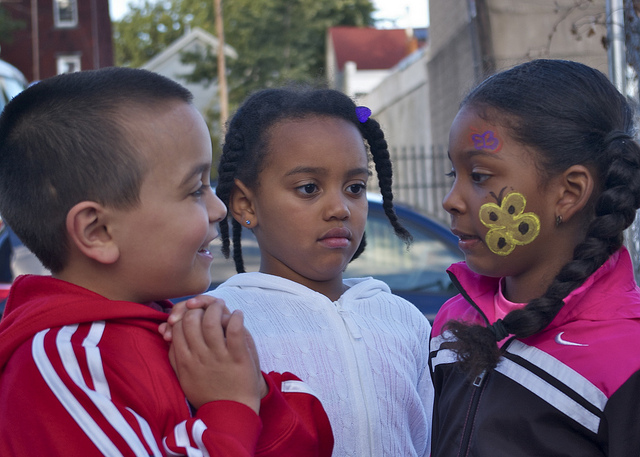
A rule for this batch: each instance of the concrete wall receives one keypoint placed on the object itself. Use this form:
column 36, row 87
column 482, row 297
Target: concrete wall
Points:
column 468, row 39
column 453, row 67
column 523, row 30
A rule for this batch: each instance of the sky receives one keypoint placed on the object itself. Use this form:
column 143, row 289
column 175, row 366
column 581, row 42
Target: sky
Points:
column 396, row 13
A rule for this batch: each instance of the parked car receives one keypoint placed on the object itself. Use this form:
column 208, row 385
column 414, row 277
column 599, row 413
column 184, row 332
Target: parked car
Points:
column 12, row 82
column 418, row 274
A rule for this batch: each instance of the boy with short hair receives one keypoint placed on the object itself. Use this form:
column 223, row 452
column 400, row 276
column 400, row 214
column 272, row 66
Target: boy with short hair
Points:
column 104, row 175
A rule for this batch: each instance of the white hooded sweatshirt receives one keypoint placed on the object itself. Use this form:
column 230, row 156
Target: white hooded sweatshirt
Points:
column 364, row 355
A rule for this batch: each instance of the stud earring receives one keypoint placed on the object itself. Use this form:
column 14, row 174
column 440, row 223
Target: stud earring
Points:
column 558, row 221
column 248, row 222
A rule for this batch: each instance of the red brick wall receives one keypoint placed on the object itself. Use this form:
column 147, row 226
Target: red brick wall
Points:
column 91, row 39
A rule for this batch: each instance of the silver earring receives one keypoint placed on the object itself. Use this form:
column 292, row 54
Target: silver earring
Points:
column 558, row 221
column 248, row 222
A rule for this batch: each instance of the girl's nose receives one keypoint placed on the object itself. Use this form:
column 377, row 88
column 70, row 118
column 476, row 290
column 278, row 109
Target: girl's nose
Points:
column 452, row 203
column 337, row 206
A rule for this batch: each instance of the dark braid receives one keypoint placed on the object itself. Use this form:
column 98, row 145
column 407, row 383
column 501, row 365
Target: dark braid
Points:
column 232, row 153
column 246, row 145
column 374, row 135
column 237, row 246
column 570, row 114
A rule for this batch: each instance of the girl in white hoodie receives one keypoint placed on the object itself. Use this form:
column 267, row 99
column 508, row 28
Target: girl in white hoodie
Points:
column 294, row 170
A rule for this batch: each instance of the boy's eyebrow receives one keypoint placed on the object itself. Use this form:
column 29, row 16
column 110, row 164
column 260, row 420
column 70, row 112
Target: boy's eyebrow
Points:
column 197, row 170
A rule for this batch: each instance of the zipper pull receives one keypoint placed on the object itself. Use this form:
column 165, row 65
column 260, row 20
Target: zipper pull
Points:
column 478, row 381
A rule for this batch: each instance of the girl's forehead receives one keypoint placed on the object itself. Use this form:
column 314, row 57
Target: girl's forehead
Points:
column 473, row 132
column 311, row 120
column 326, row 141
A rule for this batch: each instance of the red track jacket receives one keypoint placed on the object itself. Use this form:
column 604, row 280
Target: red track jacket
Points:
column 81, row 375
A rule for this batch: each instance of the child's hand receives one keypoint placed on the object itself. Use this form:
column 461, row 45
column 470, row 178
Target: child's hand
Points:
column 178, row 310
column 214, row 361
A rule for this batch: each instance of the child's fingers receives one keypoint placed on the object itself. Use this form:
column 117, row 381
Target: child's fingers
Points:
column 172, row 358
column 199, row 301
column 226, row 315
column 236, row 336
column 253, row 352
column 190, row 330
column 177, row 312
column 166, row 331
column 213, row 332
column 203, row 301
column 179, row 350
column 252, row 348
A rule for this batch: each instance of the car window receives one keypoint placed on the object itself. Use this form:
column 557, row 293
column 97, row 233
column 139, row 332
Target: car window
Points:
column 9, row 88
column 12, row 87
column 421, row 268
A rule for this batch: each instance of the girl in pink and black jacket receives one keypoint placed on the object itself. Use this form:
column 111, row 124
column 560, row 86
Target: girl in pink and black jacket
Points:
column 537, row 355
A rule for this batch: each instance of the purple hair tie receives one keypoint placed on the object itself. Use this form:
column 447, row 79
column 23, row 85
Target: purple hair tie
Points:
column 363, row 113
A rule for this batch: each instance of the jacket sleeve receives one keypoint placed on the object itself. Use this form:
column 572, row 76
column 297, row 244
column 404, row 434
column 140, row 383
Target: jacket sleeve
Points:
column 293, row 419
column 58, row 398
column 220, row 428
column 621, row 422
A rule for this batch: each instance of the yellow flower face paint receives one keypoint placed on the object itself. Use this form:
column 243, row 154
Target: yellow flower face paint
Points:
column 509, row 225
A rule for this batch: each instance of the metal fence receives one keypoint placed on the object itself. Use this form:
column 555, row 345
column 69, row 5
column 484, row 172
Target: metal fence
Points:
column 420, row 178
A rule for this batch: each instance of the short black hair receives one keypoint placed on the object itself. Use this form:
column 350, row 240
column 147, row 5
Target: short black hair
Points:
column 65, row 140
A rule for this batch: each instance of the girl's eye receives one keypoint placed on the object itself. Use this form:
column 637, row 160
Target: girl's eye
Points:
column 357, row 189
column 479, row 178
column 308, row 189
column 451, row 174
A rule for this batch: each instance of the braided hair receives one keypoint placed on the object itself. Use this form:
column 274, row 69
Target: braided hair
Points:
column 245, row 147
column 570, row 114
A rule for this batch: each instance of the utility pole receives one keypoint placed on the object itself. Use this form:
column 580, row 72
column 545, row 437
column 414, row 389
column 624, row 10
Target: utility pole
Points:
column 222, row 70
column 35, row 40
column 616, row 49
column 617, row 74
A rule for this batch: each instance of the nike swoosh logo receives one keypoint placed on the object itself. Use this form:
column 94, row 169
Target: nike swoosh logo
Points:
column 559, row 340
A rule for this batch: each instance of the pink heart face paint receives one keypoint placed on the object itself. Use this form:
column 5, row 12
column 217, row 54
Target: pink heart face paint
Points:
column 509, row 225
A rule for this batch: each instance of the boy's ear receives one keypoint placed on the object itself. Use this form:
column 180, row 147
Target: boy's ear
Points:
column 577, row 184
column 88, row 230
column 241, row 205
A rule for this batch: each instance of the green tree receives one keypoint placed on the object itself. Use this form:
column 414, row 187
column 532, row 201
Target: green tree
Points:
column 8, row 26
column 276, row 40
column 145, row 31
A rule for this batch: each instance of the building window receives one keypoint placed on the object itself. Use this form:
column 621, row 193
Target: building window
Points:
column 65, row 13
column 68, row 64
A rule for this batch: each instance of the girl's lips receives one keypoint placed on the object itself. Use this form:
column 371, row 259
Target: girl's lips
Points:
column 338, row 237
column 466, row 242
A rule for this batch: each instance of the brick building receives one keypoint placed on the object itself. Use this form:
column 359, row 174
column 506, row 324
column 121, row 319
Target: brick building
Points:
column 58, row 36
